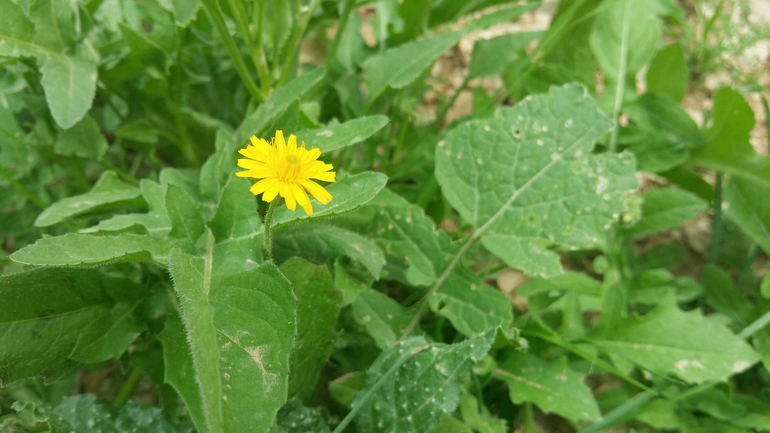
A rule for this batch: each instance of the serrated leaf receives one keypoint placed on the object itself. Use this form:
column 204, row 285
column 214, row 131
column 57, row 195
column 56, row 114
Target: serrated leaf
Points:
column 625, row 36
column 75, row 249
column 335, row 137
column 256, row 122
column 186, row 219
column 528, row 178
column 322, row 244
column 727, row 146
column 85, row 412
column 317, row 309
column 349, row 193
column 664, row 209
column 552, row 386
column 240, row 328
column 397, row 67
column 668, row 73
column 109, row 192
column 48, row 309
column 667, row 340
column 83, row 139
column 383, row 318
column 413, row 383
column 748, row 204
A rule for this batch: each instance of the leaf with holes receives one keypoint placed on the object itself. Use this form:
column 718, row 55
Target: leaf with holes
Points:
column 528, row 180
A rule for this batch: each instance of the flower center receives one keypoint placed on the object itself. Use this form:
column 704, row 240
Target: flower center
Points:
column 291, row 168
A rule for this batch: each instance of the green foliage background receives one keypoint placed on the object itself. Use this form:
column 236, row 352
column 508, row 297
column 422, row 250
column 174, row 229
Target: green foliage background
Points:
column 134, row 255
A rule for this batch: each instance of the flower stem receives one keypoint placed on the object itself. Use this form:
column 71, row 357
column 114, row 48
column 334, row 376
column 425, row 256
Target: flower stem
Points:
column 128, row 388
column 267, row 239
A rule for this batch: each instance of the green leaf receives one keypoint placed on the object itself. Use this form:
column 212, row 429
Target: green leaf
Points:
column 664, row 209
column 413, row 383
column 748, row 204
column 186, row 219
column 625, row 36
column 349, row 193
column 476, row 415
column 727, row 148
column 86, row 413
column 48, row 310
column 317, row 309
column 109, row 192
column 335, row 137
column 109, row 335
column 179, row 369
column 345, row 388
column 185, row 10
column 724, row 297
column 237, row 228
column 490, row 56
column 667, row 340
column 668, row 73
column 84, row 139
column 240, row 329
column 219, row 167
column 322, row 243
column 528, row 179
column 75, row 249
column 256, row 122
column 497, row 16
column 296, row 418
column 649, row 287
column 383, row 318
column 551, row 386
column 397, row 67
column 155, row 222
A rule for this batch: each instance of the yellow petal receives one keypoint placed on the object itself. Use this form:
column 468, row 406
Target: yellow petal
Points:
column 271, row 192
column 288, row 195
column 292, row 142
column 242, row 173
column 263, row 185
column 317, row 191
column 328, row 176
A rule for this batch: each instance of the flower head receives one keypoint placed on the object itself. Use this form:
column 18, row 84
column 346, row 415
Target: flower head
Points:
column 285, row 169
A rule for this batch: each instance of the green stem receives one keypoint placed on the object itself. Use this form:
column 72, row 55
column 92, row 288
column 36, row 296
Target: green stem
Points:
column 127, row 390
column 445, row 109
column 346, row 10
column 755, row 326
column 257, row 49
column 621, row 84
column 212, row 8
column 753, row 254
column 267, row 239
column 718, row 226
column 293, row 45
column 21, row 190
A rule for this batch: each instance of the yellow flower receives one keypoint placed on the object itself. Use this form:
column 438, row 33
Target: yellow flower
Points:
column 287, row 170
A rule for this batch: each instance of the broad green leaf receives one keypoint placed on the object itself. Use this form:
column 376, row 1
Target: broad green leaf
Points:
column 625, row 36
column 383, row 318
column 109, row 192
column 256, row 122
column 397, row 67
column 155, row 222
column 179, row 369
column 237, row 228
column 187, row 179
column 528, row 179
column 413, row 383
column 415, row 251
column 186, row 219
column 219, row 167
column 490, row 56
column 748, row 204
column 550, row 385
column 240, row 329
column 668, row 340
column 75, row 249
column 668, row 73
column 724, row 297
column 334, row 137
column 476, row 415
column 69, row 81
column 318, row 304
column 109, row 335
column 48, row 310
column 184, row 11
column 322, row 244
column 349, row 193
column 86, row 413
column 664, row 209
column 83, row 139
column 727, row 146
column 296, row 418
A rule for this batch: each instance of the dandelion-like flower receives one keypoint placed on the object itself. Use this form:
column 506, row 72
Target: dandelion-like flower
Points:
column 286, row 169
